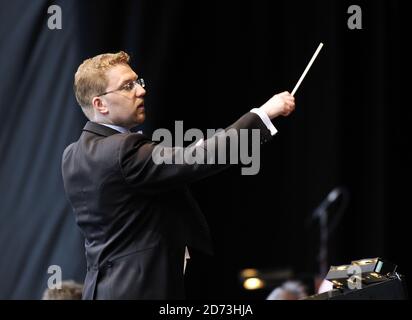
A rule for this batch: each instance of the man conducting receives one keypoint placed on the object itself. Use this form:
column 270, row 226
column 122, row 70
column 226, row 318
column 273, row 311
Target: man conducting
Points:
column 137, row 215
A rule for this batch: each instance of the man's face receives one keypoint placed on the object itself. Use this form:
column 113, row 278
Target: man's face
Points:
column 125, row 107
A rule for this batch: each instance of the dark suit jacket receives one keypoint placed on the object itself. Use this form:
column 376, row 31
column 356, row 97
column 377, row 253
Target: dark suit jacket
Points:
column 136, row 216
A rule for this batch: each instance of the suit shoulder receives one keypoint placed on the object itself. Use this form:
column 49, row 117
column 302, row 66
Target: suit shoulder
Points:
column 132, row 140
column 124, row 137
column 68, row 150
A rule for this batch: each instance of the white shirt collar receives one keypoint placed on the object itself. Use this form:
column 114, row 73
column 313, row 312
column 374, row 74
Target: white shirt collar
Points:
column 117, row 128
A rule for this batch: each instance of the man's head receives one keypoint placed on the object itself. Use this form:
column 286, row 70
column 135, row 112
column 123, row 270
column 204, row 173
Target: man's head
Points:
column 70, row 290
column 290, row 290
column 106, row 90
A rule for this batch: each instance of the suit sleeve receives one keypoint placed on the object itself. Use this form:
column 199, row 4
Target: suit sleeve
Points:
column 141, row 168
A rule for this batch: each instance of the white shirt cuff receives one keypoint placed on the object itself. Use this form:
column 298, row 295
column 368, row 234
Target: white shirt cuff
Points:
column 265, row 119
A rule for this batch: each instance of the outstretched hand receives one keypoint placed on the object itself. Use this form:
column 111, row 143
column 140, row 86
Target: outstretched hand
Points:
column 280, row 104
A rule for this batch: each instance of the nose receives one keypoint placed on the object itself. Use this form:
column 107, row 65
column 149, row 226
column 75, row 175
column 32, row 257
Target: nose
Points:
column 140, row 91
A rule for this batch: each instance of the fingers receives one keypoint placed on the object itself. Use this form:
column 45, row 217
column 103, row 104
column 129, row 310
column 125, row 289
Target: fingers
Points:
column 280, row 104
column 287, row 96
column 289, row 101
column 284, row 93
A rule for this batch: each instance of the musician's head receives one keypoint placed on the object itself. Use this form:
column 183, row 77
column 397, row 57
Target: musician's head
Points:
column 290, row 290
column 109, row 91
column 69, row 290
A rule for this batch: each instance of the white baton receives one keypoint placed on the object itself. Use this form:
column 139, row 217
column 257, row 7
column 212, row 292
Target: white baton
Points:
column 307, row 68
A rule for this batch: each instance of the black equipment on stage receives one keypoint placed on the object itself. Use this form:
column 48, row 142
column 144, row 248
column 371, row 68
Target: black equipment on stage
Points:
column 366, row 279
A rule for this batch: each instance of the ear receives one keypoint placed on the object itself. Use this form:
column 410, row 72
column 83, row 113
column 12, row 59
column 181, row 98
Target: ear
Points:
column 99, row 106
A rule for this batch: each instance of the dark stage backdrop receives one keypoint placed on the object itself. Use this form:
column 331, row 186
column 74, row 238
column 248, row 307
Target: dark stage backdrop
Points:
column 207, row 63
column 39, row 117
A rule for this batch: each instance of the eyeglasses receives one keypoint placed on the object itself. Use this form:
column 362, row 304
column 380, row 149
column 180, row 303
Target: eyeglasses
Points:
column 129, row 86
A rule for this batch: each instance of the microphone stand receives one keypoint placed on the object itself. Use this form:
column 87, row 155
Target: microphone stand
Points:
column 323, row 247
column 322, row 214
